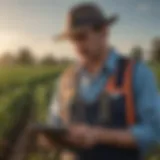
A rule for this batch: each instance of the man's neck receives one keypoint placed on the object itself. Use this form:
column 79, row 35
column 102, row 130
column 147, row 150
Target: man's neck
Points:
column 93, row 66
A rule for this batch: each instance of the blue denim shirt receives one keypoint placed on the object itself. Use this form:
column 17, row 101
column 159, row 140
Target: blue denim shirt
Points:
column 146, row 133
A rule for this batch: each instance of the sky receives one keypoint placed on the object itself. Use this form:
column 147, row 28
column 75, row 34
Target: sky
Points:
column 32, row 23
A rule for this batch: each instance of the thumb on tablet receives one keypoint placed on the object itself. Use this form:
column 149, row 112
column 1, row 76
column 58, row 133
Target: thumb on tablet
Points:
column 45, row 142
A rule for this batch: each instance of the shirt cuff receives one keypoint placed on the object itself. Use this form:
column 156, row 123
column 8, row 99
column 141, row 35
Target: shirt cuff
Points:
column 144, row 137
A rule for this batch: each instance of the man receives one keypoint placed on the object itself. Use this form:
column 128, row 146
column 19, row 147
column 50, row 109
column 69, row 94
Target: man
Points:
column 108, row 102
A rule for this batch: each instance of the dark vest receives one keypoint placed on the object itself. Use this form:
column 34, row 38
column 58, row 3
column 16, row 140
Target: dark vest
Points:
column 113, row 108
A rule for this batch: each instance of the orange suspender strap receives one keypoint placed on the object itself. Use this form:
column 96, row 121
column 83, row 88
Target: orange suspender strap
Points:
column 126, row 89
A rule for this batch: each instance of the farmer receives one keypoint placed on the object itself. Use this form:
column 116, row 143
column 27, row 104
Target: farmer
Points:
column 109, row 102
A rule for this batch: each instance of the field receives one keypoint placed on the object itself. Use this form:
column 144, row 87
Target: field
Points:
column 21, row 75
column 22, row 91
column 37, row 83
column 14, row 80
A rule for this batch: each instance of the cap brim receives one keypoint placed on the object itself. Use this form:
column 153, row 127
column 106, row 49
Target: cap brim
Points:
column 112, row 19
column 67, row 35
column 64, row 36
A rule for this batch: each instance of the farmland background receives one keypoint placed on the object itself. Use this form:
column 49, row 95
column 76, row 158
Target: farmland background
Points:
column 31, row 61
column 42, row 92
column 27, row 86
column 24, row 90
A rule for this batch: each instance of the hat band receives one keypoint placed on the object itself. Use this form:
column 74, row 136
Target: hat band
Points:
column 87, row 21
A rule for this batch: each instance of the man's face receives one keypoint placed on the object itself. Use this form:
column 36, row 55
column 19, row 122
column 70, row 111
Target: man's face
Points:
column 89, row 43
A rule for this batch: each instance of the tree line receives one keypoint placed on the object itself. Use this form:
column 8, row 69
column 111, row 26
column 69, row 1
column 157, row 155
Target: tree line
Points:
column 138, row 53
column 26, row 57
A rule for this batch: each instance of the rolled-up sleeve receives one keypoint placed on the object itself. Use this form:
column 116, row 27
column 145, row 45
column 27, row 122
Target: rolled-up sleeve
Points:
column 147, row 131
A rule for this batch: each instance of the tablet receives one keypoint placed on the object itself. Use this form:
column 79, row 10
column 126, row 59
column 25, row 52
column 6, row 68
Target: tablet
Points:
column 54, row 134
column 50, row 131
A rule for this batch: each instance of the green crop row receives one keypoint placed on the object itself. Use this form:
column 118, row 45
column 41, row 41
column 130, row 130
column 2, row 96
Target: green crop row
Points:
column 22, row 95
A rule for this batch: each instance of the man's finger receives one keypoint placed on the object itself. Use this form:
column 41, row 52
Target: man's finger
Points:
column 43, row 141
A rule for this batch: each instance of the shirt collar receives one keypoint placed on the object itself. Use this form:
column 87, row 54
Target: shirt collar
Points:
column 111, row 61
column 109, row 64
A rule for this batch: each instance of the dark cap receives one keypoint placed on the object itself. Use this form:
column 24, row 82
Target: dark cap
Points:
column 85, row 15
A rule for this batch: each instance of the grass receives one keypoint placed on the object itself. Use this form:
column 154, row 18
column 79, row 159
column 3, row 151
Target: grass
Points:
column 20, row 76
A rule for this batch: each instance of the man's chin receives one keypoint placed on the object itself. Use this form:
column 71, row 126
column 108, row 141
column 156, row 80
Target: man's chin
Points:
column 94, row 57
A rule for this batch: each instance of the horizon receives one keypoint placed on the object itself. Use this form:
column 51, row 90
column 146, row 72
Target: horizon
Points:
column 24, row 23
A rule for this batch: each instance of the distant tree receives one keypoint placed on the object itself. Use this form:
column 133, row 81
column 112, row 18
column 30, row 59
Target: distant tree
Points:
column 25, row 57
column 66, row 60
column 7, row 59
column 155, row 50
column 137, row 53
column 48, row 60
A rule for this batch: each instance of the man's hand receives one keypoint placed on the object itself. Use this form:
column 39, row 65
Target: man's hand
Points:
column 82, row 136
column 87, row 137
column 46, row 143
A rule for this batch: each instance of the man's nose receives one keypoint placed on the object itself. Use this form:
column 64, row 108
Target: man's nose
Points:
column 81, row 44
